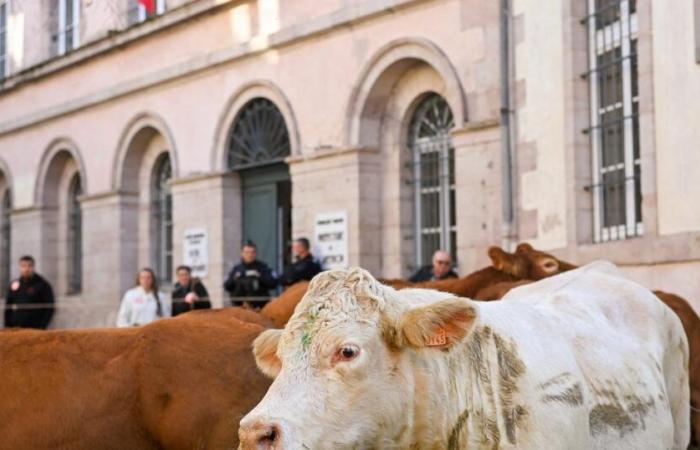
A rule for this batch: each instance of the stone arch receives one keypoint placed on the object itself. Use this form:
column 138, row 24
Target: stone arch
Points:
column 137, row 133
column 247, row 92
column 60, row 152
column 381, row 73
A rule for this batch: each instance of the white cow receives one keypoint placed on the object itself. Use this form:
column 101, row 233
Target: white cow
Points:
column 586, row 359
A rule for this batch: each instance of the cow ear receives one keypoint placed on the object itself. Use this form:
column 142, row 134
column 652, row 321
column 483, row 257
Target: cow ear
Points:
column 524, row 247
column 265, row 351
column 441, row 324
column 499, row 258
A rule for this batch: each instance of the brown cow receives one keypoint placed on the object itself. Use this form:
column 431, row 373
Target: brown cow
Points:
column 530, row 265
column 180, row 383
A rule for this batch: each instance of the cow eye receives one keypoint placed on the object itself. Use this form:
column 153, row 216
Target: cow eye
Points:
column 348, row 352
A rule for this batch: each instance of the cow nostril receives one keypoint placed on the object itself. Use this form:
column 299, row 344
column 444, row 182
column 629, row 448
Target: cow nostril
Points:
column 267, row 436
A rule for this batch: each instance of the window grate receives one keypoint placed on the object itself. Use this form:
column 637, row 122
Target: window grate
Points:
column 162, row 213
column 433, row 178
column 75, row 237
column 5, row 240
column 614, row 128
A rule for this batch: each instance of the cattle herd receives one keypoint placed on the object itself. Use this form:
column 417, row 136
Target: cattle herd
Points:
column 569, row 357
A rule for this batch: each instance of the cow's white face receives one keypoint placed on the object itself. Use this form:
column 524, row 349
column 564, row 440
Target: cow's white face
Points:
column 342, row 376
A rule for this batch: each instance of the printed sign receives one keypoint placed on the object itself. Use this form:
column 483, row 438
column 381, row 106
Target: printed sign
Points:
column 331, row 238
column 196, row 251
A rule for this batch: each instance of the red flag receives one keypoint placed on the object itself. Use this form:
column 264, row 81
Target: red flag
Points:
column 150, row 6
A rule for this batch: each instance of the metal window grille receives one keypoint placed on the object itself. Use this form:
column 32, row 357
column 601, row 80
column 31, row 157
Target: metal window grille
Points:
column 433, row 178
column 5, row 240
column 137, row 13
column 3, row 39
column 259, row 135
column 162, row 212
column 66, row 16
column 75, row 237
column 614, row 131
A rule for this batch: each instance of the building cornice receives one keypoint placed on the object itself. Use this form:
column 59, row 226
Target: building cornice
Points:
column 343, row 17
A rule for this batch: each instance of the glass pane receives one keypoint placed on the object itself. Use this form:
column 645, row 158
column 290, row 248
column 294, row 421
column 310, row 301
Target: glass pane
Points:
column 606, row 12
column 638, row 192
column 613, row 189
column 635, row 70
column 610, row 78
column 612, row 138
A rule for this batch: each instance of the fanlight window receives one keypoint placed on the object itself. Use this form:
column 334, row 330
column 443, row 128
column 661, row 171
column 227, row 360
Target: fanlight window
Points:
column 259, row 136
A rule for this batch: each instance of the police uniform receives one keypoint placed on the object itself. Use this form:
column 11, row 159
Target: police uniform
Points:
column 304, row 269
column 25, row 292
column 250, row 280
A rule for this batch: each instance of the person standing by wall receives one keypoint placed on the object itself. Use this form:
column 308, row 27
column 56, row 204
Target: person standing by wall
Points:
column 28, row 290
column 305, row 267
column 188, row 293
column 250, row 278
column 143, row 303
column 441, row 269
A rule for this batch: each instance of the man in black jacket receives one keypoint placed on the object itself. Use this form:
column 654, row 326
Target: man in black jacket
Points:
column 24, row 296
column 305, row 267
column 250, row 278
column 440, row 270
column 188, row 293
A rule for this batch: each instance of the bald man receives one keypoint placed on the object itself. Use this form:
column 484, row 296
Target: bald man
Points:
column 440, row 270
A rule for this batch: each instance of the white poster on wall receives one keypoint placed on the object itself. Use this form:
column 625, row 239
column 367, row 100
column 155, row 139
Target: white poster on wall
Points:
column 331, row 239
column 196, row 251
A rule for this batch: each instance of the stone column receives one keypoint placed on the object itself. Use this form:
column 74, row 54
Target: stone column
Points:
column 478, row 191
column 344, row 179
column 211, row 202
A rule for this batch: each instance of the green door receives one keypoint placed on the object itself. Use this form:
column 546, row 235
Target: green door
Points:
column 266, row 213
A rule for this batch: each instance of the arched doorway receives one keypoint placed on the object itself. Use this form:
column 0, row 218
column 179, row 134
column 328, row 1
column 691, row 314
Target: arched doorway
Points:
column 257, row 145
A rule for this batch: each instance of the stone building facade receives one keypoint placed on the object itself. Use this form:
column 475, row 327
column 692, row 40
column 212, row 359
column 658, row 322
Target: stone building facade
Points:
column 120, row 130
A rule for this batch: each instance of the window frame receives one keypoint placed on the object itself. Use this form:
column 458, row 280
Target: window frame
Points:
column 141, row 14
column 4, row 60
column 444, row 148
column 162, row 216
column 618, row 34
column 6, row 240
column 75, row 236
column 63, row 28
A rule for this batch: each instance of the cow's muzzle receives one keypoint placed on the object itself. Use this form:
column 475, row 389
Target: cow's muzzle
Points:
column 260, row 435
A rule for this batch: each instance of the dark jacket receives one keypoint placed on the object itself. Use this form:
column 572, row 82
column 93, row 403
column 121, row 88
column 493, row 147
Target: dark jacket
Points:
column 426, row 274
column 250, row 280
column 304, row 269
column 180, row 292
column 34, row 290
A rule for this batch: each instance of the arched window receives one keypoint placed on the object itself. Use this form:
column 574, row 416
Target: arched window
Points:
column 162, row 213
column 5, row 241
column 259, row 135
column 434, row 178
column 75, row 236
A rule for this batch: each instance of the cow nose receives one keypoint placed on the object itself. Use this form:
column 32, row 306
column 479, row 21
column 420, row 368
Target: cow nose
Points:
column 260, row 435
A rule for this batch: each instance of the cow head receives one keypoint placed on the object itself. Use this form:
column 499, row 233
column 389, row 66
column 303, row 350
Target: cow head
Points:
column 342, row 368
column 527, row 263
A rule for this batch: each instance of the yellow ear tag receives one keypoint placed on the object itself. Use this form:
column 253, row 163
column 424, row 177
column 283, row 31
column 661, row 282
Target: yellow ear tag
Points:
column 438, row 339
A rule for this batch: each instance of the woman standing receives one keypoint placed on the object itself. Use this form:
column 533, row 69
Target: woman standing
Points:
column 144, row 303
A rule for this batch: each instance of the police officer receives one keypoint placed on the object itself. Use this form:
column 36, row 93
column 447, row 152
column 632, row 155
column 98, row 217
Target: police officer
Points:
column 28, row 290
column 304, row 268
column 250, row 278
